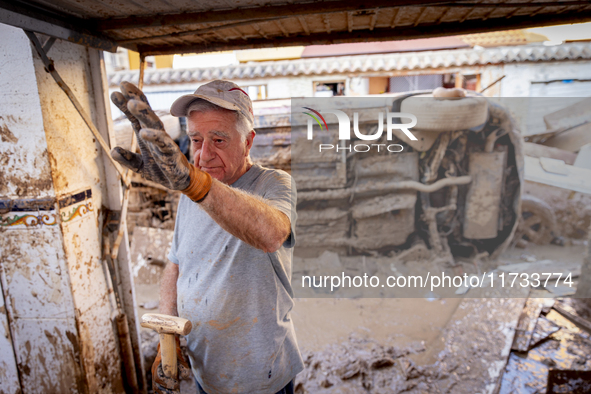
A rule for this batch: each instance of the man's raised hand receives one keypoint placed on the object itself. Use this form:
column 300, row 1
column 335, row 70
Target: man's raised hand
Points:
column 160, row 159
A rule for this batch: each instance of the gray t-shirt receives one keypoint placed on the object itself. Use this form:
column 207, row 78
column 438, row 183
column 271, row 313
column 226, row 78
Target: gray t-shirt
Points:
column 238, row 297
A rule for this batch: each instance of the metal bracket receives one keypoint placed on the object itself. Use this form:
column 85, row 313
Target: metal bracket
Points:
column 48, row 44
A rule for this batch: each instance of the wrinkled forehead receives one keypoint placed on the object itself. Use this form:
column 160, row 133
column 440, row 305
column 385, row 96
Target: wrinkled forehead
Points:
column 221, row 123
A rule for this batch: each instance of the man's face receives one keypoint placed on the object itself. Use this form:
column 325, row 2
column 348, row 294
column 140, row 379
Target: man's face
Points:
column 218, row 148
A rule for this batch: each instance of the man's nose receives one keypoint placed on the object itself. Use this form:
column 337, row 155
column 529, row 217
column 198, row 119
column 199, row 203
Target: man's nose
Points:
column 207, row 151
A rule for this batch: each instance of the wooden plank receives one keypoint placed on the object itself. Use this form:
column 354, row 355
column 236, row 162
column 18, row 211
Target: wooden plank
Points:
column 571, row 139
column 115, row 191
column 378, row 34
column 255, row 14
column 48, row 353
column 544, row 328
column 579, row 321
column 537, row 150
column 575, row 120
column 570, row 116
column 577, row 178
column 526, row 325
column 66, row 89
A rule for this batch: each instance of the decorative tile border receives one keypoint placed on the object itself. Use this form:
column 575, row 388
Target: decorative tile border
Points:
column 30, row 220
column 28, row 213
column 27, row 205
column 34, row 213
column 77, row 211
column 75, row 206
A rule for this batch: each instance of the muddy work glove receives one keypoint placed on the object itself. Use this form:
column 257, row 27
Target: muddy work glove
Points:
column 160, row 159
column 164, row 385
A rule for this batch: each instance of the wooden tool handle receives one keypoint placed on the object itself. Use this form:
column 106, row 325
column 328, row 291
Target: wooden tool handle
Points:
column 168, row 351
column 165, row 324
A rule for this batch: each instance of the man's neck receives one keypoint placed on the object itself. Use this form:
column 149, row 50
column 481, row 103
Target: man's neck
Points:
column 247, row 166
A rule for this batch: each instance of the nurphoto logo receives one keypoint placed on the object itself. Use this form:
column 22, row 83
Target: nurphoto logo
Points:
column 345, row 130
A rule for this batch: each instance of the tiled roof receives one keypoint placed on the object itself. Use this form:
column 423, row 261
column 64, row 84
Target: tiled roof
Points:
column 363, row 63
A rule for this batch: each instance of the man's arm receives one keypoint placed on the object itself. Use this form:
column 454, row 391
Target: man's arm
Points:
column 168, row 290
column 247, row 217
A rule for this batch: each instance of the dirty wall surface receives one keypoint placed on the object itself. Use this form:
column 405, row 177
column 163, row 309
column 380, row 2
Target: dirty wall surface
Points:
column 78, row 174
column 38, row 297
column 57, row 314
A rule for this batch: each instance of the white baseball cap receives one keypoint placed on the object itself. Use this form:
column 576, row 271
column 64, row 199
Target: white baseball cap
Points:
column 224, row 94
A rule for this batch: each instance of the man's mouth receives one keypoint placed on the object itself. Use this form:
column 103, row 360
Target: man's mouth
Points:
column 210, row 168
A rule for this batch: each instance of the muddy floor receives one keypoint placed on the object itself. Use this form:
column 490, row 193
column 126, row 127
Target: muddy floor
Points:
column 406, row 345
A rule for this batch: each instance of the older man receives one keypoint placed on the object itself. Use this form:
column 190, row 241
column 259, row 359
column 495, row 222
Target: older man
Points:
column 230, row 259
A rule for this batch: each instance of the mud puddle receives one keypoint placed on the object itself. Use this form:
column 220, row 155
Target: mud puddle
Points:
column 390, row 322
column 419, row 345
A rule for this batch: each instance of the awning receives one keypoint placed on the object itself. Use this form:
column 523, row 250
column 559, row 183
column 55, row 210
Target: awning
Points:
column 183, row 26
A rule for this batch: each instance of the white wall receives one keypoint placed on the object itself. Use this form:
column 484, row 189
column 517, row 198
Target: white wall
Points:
column 525, row 80
column 520, row 76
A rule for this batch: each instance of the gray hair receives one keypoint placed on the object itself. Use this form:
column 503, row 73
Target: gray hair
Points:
column 242, row 124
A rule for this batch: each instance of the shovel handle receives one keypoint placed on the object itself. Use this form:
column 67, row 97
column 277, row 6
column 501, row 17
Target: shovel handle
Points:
column 168, row 351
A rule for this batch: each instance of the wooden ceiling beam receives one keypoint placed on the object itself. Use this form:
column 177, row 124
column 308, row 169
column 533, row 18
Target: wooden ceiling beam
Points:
column 254, row 14
column 326, row 20
column 304, row 25
column 259, row 30
column 211, row 29
column 282, row 28
column 374, row 19
column 443, row 15
column 350, row 21
column 260, row 14
column 394, row 21
column 383, row 34
column 40, row 20
column 423, row 9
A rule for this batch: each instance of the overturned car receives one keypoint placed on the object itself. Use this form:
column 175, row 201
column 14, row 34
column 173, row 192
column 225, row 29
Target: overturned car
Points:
column 453, row 190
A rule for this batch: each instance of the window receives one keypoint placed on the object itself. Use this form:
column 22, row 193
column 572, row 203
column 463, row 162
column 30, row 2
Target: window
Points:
column 471, row 82
column 256, row 92
column 411, row 83
column 329, row 89
column 117, row 61
column 150, row 62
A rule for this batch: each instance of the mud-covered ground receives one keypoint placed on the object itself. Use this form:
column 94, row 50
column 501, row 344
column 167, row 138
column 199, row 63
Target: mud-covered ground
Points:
column 410, row 345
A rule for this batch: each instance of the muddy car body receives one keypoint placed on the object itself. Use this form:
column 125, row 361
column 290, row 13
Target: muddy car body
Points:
column 455, row 189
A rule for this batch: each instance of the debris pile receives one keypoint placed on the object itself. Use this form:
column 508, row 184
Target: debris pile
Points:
column 151, row 205
column 552, row 356
column 557, row 194
column 360, row 365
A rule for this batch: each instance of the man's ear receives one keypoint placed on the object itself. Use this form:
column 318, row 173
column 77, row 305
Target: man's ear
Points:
column 249, row 138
